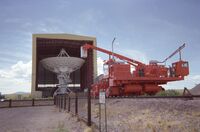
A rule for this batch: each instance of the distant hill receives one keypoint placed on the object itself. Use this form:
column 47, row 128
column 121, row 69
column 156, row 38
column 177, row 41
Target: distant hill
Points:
column 21, row 93
column 18, row 95
column 195, row 90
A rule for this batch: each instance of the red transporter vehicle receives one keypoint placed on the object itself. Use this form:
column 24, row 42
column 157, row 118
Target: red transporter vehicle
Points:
column 118, row 80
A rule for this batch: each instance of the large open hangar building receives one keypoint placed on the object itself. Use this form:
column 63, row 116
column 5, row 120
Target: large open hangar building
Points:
column 44, row 82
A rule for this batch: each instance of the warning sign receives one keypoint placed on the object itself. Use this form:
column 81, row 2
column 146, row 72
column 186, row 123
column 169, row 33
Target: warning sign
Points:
column 102, row 97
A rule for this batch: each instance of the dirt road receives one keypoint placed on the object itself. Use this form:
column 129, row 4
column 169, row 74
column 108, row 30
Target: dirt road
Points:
column 38, row 119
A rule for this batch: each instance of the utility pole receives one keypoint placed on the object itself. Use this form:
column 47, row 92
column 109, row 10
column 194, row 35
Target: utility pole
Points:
column 113, row 47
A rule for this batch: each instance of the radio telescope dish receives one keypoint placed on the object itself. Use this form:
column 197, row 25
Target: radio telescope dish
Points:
column 62, row 65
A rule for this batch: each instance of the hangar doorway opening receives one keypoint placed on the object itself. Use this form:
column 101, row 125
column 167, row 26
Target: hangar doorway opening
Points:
column 46, row 81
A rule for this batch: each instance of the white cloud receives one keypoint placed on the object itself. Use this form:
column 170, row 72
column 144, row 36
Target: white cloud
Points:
column 16, row 78
column 18, row 70
column 8, row 86
column 99, row 65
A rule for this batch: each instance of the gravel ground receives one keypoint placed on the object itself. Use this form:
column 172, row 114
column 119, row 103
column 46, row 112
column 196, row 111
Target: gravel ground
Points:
column 38, row 119
column 151, row 115
column 195, row 90
column 123, row 115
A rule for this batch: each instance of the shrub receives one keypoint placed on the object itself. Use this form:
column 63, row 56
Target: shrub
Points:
column 168, row 93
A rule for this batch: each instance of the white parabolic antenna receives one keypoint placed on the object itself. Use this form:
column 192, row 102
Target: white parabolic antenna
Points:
column 62, row 65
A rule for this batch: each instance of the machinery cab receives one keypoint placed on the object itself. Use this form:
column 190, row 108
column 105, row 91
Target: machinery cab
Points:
column 180, row 68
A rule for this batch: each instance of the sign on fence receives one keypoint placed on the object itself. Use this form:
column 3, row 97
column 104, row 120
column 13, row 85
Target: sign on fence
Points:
column 102, row 102
column 102, row 97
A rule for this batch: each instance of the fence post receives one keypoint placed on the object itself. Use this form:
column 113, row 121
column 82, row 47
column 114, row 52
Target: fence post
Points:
column 10, row 103
column 57, row 99
column 54, row 100
column 61, row 102
column 89, row 108
column 76, row 104
column 64, row 101
column 33, row 102
column 68, row 103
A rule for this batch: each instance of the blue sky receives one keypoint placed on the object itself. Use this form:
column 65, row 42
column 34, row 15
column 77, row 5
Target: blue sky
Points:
column 145, row 30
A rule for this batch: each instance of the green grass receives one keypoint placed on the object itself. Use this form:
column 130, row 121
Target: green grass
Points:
column 168, row 93
column 61, row 127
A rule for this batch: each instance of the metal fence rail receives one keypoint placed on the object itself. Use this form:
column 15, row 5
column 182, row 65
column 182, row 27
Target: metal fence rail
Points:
column 157, row 97
column 9, row 103
column 77, row 104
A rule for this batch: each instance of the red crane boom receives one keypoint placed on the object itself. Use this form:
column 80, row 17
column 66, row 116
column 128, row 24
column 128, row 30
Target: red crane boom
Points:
column 128, row 60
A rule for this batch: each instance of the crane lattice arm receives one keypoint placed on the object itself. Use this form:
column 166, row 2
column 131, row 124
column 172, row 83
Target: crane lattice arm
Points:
column 175, row 52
